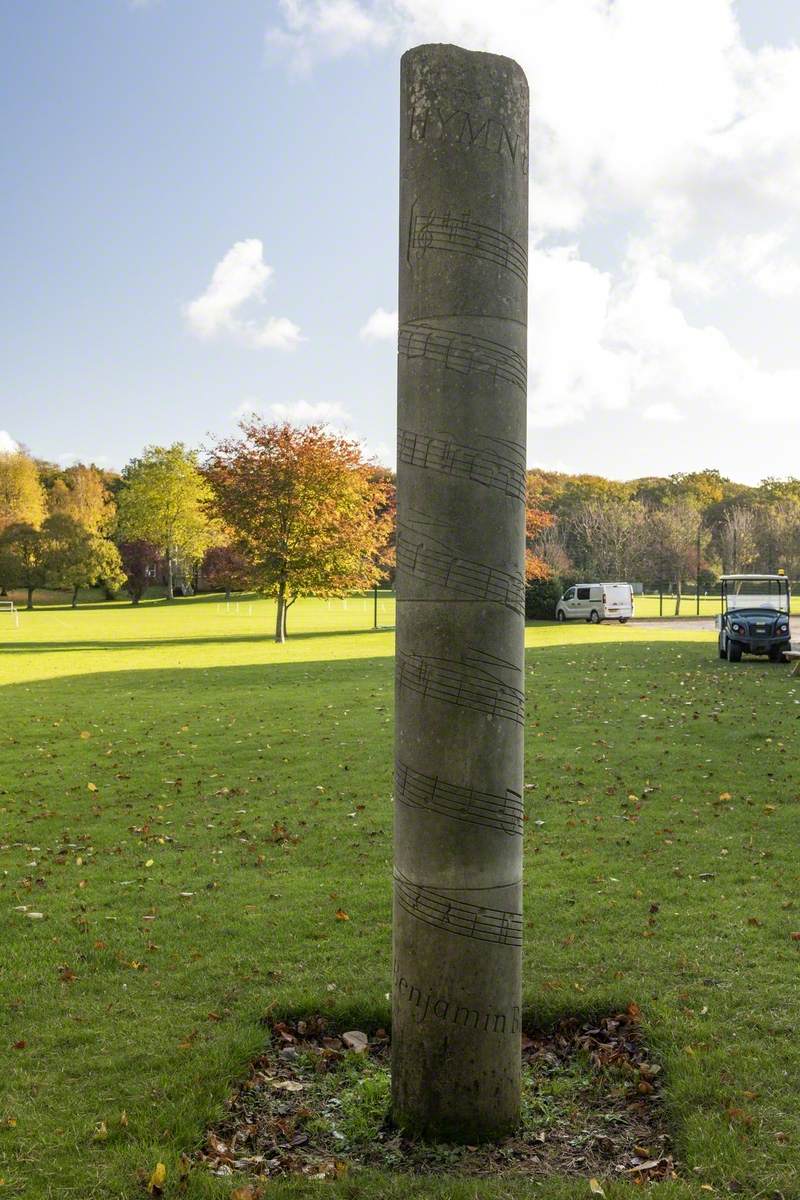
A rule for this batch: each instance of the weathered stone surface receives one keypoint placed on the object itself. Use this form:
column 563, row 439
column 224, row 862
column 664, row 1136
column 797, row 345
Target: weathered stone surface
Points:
column 460, row 592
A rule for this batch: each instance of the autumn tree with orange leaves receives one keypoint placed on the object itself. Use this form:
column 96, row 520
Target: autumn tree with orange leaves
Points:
column 304, row 508
column 536, row 521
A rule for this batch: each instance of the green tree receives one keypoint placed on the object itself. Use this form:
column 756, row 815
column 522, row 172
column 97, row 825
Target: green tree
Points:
column 166, row 500
column 76, row 558
column 303, row 508
column 675, row 536
column 23, row 558
column 22, row 498
column 80, row 492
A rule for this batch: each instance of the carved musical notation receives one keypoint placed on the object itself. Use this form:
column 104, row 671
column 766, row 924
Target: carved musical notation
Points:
column 462, row 352
column 430, row 560
column 441, row 911
column 474, row 683
column 496, row 464
column 461, row 235
column 432, row 794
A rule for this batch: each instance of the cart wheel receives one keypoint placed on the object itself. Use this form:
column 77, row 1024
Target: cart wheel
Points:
column 734, row 652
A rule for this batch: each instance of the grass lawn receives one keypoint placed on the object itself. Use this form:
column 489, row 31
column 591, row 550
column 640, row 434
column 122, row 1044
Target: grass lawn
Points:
column 188, row 806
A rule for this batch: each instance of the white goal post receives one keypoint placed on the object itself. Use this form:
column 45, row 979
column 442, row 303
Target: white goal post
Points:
column 9, row 607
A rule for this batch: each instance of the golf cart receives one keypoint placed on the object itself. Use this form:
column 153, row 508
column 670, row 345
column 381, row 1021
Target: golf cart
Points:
column 754, row 617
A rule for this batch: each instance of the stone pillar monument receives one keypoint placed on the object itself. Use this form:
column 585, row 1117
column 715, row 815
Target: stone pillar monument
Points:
column 460, row 593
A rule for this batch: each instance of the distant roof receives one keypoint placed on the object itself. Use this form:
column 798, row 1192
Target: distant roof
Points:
column 765, row 577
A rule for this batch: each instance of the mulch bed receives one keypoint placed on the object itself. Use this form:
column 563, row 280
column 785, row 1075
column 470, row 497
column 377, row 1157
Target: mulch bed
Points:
column 591, row 1105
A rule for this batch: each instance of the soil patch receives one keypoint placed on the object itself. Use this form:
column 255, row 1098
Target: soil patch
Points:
column 316, row 1103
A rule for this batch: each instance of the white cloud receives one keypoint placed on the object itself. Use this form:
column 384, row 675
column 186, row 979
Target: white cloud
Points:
column 652, row 118
column 7, row 443
column 596, row 343
column 325, row 28
column 246, row 409
column 241, row 276
column 383, row 453
column 379, row 326
column 665, row 411
column 572, row 366
column 301, row 412
column 655, row 110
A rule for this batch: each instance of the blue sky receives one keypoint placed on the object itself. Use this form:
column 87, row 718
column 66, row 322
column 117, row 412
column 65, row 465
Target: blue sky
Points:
column 146, row 146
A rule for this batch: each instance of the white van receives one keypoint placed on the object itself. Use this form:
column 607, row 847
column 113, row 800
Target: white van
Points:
column 596, row 602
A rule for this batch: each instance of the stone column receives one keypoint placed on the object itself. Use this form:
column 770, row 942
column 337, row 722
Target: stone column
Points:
column 460, row 593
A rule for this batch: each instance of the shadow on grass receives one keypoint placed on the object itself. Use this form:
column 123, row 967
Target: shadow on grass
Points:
column 188, row 641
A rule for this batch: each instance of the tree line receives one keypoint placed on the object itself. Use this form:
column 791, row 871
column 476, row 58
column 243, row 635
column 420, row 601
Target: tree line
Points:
column 666, row 533
column 289, row 512
column 294, row 512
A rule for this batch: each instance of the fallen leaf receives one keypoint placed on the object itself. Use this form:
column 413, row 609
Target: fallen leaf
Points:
column 19, row 1045
column 595, row 1189
column 246, row 1193
column 85, row 734
column 157, row 1180
column 101, row 1131
column 288, row 1085
column 149, row 862
column 217, row 1147
column 92, row 787
column 341, row 915
column 356, row 1040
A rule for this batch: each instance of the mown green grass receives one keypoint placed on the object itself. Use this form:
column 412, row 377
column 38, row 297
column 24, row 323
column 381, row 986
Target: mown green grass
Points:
column 257, row 778
column 356, row 612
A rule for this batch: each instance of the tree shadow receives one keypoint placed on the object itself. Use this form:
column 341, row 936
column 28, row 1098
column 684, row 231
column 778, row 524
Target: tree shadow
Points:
column 122, row 644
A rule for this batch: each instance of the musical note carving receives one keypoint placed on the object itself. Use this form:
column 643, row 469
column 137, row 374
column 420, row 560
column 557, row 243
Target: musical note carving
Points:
column 462, row 352
column 461, row 235
column 429, row 559
column 475, row 683
column 432, row 794
column 459, row 917
column 501, row 468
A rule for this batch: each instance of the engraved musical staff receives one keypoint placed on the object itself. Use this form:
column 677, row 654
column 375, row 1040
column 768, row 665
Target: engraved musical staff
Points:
column 458, row 916
column 432, row 794
column 429, row 560
column 472, row 683
column 460, row 235
column 462, row 352
column 489, row 467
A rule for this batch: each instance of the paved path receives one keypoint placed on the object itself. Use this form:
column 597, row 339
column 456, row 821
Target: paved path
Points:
column 706, row 624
